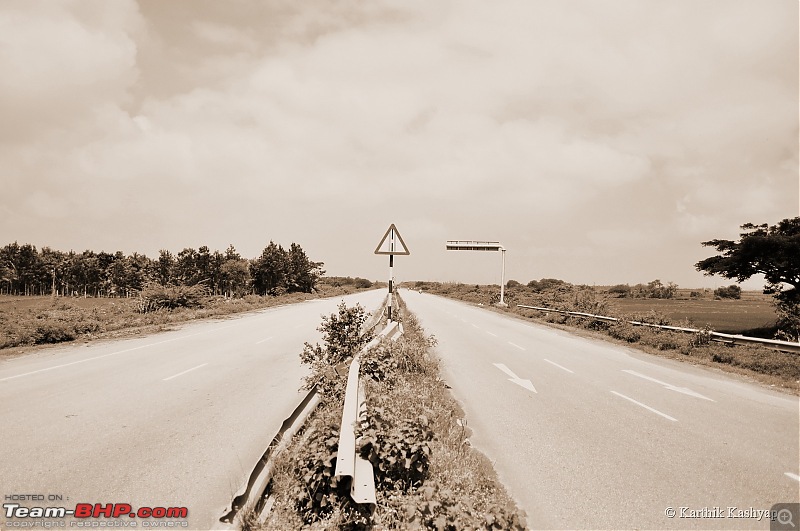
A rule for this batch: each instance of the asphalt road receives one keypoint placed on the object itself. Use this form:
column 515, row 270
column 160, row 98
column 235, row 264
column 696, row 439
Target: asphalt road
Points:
column 176, row 419
column 588, row 434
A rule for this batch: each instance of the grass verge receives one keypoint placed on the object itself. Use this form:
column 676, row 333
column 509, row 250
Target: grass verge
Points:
column 776, row 369
column 29, row 321
column 414, row 434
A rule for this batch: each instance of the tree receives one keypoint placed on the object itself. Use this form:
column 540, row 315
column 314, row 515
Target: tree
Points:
column 772, row 251
column 270, row 270
column 234, row 277
column 731, row 292
column 164, row 267
column 303, row 273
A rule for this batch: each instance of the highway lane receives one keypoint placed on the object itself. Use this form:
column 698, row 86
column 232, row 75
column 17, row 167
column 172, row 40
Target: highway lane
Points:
column 173, row 419
column 588, row 434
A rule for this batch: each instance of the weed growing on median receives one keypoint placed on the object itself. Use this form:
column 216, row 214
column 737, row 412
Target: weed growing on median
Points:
column 342, row 337
column 426, row 474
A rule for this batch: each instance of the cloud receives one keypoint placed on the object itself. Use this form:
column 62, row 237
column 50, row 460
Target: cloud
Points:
column 562, row 128
column 62, row 61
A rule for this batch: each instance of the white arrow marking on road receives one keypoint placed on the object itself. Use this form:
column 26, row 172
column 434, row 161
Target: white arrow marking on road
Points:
column 527, row 384
column 671, row 387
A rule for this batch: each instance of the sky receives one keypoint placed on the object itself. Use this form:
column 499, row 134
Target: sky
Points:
column 599, row 141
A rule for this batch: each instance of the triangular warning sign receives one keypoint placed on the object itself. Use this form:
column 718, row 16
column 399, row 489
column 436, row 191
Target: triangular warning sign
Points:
column 392, row 243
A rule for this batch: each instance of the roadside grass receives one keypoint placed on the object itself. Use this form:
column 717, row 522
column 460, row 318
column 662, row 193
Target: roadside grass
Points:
column 414, row 433
column 773, row 368
column 30, row 321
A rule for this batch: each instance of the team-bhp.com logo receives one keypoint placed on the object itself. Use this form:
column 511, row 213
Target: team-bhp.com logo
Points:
column 96, row 510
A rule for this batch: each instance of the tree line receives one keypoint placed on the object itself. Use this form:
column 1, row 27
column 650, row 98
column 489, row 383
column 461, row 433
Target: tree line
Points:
column 24, row 270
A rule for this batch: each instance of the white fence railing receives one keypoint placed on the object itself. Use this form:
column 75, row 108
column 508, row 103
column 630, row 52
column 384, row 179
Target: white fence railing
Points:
column 731, row 339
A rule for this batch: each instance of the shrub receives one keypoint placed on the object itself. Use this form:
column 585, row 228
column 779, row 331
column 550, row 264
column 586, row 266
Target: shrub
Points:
column 398, row 448
column 624, row 331
column 655, row 290
column 651, row 317
column 731, row 292
column 318, row 490
column 440, row 508
column 546, row 284
column 362, row 283
column 620, row 290
column 53, row 333
column 154, row 296
column 341, row 333
column 721, row 356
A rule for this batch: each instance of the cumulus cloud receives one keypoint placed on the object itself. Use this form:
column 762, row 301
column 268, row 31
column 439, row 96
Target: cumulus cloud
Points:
column 564, row 129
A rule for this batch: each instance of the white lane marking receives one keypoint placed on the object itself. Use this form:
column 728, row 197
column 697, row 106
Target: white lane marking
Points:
column 527, row 384
column 671, row 387
column 491, row 334
column 793, row 476
column 559, row 366
column 263, row 340
column 657, row 412
column 184, row 372
column 114, row 353
column 515, row 345
column 476, row 326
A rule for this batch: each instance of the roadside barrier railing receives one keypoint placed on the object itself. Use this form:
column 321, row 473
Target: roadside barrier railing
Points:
column 249, row 498
column 731, row 339
column 348, row 462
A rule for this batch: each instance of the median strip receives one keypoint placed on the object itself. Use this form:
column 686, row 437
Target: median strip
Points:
column 427, row 475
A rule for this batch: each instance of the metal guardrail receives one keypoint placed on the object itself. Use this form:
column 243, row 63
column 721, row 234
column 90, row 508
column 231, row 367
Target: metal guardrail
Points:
column 348, row 462
column 250, row 494
column 731, row 339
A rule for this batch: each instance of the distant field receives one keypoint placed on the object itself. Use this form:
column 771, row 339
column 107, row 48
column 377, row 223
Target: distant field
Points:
column 752, row 312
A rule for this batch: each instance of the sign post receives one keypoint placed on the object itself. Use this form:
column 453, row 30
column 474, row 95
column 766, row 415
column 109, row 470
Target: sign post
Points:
column 389, row 245
column 474, row 245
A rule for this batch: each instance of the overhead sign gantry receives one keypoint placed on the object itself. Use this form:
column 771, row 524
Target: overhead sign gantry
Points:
column 478, row 245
